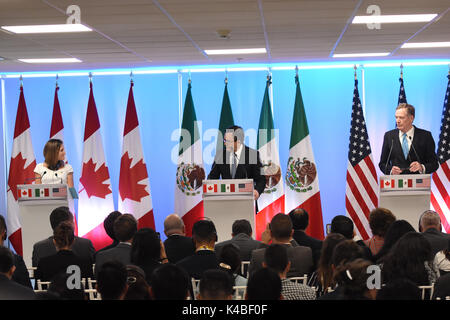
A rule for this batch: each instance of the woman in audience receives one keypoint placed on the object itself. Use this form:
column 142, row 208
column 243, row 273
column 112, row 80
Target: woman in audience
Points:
column 352, row 277
column 264, row 284
column 230, row 261
column 380, row 219
column 442, row 260
column 138, row 288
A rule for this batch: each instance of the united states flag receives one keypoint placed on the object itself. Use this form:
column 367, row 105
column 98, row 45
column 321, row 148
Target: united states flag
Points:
column 440, row 200
column 401, row 93
column 361, row 194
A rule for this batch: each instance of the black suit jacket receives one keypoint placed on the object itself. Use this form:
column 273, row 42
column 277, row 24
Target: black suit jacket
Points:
column 178, row 247
column 201, row 261
column 249, row 168
column 50, row 266
column 11, row 290
column 304, row 240
column 437, row 239
column 422, row 150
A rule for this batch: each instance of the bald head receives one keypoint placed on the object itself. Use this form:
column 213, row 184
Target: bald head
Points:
column 430, row 219
column 173, row 224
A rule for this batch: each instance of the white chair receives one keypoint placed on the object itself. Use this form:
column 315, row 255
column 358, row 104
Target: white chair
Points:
column 244, row 268
column 239, row 292
column 93, row 294
column 31, row 272
column 195, row 287
column 302, row 280
column 424, row 289
column 42, row 285
column 91, row 283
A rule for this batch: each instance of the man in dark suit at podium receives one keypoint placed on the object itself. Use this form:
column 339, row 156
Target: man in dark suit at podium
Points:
column 407, row 149
column 237, row 161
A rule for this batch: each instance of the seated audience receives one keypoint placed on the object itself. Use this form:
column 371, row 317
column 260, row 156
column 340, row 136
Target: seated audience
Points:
column 108, row 224
column 177, row 245
column 169, row 282
column 112, row 281
column 138, row 288
column 264, row 284
column 430, row 226
column 442, row 260
column 351, row 277
column 230, row 261
column 215, row 285
column 380, row 220
column 442, row 287
column 399, row 289
column 59, row 287
column 9, row 289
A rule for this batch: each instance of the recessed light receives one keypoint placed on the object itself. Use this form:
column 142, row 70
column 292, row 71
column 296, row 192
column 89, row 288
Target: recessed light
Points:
column 352, row 55
column 236, row 51
column 51, row 60
column 48, row 28
column 426, row 45
column 401, row 18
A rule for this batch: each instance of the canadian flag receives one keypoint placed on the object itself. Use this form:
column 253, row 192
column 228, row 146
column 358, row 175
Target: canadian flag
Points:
column 95, row 195
column 134, row 186
column 21, row 171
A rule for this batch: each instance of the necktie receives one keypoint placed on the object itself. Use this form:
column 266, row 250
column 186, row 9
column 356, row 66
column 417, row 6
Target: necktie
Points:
column 233, row 165
column 405, row 147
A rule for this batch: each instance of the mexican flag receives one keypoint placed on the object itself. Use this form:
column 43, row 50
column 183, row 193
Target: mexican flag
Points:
column 190, row 172
column 226, row 121
column 134, row 186
column 302, row 182
column 271, row 201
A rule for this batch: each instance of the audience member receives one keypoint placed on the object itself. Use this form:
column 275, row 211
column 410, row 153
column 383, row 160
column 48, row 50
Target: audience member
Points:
column 82, row 247
column 169, row 282
column 264, row 284
column 177, row 245
column 430, row 226
column 397, row 229
column 442, row 260
column 50, row 266
column 20, row 275
column 138, row 288
column 241, row 237
column 351, row 277
column 9, row 289
column 300, row 221
column 380, row 220
column 230, row 261
column 280, row 232
column 399, row 289
column 205, row 236
column 59, row 287
column 276, row 258
column 108, row 224
column 147, row 251
column 442, row 287
column 112, row 281
column 215, row 285
column 125, row 227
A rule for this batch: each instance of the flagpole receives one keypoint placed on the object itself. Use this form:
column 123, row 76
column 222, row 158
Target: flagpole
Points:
column 5, row 150
column 269, row 78
column 180, row 98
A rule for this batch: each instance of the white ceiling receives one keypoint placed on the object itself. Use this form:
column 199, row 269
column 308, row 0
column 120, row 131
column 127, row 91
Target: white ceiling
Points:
column 144, row 33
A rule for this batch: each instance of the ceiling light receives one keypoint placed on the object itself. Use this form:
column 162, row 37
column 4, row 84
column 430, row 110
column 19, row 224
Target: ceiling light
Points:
column 51, row 60
column 401, row 18
column 48, row 28
column 426, row 45
column 236, row 51
column 352, row 55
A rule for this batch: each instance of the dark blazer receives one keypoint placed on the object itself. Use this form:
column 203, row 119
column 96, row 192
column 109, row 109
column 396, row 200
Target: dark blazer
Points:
column 249, row 168
column 50, row 266
column 81, row 247
column 178, row 247
column 112, row 245
column 304, row 240
column 201, row 261
column 11, row 290
column 21, row 274
column 121, row 253
column 437, row 239
column 245, row 243
column 423, row 150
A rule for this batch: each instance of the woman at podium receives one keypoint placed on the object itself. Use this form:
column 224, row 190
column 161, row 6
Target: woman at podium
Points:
column 54, row 169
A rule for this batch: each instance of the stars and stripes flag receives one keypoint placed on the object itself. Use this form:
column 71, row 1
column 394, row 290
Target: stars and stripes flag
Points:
column 361, row 194
column 401, row 92
column 440, row 199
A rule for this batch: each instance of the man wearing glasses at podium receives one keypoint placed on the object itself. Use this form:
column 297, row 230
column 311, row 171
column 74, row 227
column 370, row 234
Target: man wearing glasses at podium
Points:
column 237, row 161
column 407, row 149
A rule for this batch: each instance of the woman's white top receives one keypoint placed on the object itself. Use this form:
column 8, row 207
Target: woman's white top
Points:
column 53, row 177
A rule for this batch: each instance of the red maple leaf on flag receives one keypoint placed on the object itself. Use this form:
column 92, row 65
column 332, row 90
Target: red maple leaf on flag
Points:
column 18, row 174
column 129, row 178
column 92, row 180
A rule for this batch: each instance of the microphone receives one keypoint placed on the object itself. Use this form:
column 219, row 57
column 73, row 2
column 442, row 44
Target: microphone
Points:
column 389, row 155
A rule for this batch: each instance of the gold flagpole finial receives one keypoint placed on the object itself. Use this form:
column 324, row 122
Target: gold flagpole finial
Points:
column 355, row 68
column 401, row 70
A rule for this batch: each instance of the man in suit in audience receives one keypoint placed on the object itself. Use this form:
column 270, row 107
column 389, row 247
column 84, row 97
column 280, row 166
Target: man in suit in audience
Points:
column 205, row 236
column 177, row 245
column 430, row 226
column 300, row 221
column 125, row 227
column 241, row 237
column 280, row 231
column 108, row 224
column 81, row 247
column 9, row 289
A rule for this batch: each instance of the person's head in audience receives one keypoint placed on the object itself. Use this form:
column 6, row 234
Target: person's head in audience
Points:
column 230, row 259
column 146, row 246
column 59, row 286
column 138, row 289
column 399, row 289
column 352, row 276
column 299, row 218
column 380, row 219
column 407, row 259
column 173, row 224
column 204, row 234
column 63, row 236
column 59, row 215
column 430, row 220
column 281, row 228
column 396, row 230
column 324, row 269
column 108, row 224
column 7, row 266
column 3, row 230
column 276, row 259
column 169, row 282
column 215, row 284
column 343, row 225
column 241, row 226
column 125, row 227
column 346, row 251
column 264, row 284
column 112, row 281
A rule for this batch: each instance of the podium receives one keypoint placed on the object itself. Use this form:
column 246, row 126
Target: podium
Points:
column 407, row 196
column 225, row 201
column 36, row 202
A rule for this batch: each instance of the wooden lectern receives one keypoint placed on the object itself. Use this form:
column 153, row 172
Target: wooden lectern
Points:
column 225, row 201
